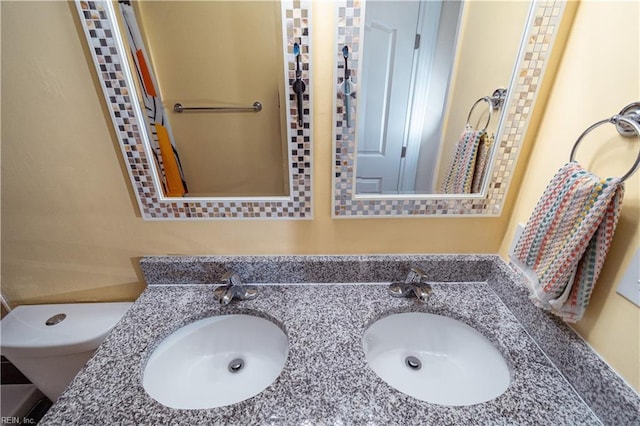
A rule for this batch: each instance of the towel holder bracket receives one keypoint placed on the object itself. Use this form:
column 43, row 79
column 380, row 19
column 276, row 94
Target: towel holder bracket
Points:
column 498, row 97
column 632, row 112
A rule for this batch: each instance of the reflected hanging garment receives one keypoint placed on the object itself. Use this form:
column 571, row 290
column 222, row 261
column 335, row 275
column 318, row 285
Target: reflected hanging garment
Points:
column 174, row 185
column 462, row 168
column 156, row 113
column 563, row 247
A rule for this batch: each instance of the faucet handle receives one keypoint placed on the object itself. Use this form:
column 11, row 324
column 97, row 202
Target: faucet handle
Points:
column 231, row 277
column 224, row 296
column 396, row 290
column 423, row 291
column 233, row 288
column 415, row 275
column 414, row 284
column 249, row 293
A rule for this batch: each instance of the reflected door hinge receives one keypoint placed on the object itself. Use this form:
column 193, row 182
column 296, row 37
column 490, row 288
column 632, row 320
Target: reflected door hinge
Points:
column 416, row 45
column 404, row 152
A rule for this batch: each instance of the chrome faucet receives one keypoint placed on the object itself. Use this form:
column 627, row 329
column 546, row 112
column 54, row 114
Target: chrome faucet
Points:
column 234, row 289
column 414, row 284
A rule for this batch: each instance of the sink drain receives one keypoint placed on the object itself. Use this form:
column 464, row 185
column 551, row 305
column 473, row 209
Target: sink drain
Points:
column 236, row 365
column 413, row 363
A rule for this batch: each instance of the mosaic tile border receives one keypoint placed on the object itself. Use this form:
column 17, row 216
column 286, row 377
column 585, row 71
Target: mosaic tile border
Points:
column 542, row 28
column 110, row 60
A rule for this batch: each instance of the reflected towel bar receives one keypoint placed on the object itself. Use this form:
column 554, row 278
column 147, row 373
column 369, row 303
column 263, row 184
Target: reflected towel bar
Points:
column 256, row 107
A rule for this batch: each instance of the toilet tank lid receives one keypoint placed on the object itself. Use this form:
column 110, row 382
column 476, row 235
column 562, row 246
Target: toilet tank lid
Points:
column 85, row 326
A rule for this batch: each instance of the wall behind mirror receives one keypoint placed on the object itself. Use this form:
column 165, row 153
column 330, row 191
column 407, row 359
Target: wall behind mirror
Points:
column 221, row 53
column 118, row 81
column 499, row 44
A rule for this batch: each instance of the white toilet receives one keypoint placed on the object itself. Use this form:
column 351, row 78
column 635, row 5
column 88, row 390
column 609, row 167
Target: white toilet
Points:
column 49, row 344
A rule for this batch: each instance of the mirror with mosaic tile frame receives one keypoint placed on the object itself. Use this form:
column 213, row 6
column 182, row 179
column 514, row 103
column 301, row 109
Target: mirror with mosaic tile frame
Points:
column 117, row 76
column 539, row 35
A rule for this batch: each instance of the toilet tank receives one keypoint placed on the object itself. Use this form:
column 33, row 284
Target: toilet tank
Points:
column 49, row 344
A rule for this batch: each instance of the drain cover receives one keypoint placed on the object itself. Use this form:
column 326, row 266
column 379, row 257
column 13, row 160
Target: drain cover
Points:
column 413, row 363
column 236, row 365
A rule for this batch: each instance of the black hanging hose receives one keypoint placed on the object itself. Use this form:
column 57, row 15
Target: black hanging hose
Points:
column 298, row 85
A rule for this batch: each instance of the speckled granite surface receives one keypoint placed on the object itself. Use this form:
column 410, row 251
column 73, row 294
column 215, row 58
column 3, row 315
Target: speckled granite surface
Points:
column 313, row 269
column 611, row 399
column 326, row 379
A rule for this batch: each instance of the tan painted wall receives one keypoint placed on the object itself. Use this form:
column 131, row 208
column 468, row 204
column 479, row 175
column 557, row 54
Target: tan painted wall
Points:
column 480, row 69
column 70, row 226
column 596, row 78
column 212, row 53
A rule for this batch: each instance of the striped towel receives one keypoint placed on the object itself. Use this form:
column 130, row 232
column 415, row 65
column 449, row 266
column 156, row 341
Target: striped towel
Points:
column 567, row 237
column 460, row 174
column 482, row 162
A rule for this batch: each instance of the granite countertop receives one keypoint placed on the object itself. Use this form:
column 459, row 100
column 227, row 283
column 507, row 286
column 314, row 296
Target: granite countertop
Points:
column 325, row 378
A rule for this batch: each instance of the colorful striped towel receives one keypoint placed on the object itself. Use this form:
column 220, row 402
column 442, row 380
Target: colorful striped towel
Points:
column 567, row 237
column 460, row 174
column 482, row 162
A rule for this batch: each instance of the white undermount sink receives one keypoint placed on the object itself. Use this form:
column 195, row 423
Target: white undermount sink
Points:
column 436, row 359
column 215, row 362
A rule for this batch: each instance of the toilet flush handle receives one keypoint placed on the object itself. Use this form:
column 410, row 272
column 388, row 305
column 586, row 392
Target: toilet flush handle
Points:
column 56, row 319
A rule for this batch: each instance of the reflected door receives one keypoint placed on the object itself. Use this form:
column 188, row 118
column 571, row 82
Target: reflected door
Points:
column 388, row 52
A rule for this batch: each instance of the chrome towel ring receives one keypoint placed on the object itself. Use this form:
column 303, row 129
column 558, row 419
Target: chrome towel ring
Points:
column 495, row 101
column 486, row 99
column 628, row 125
